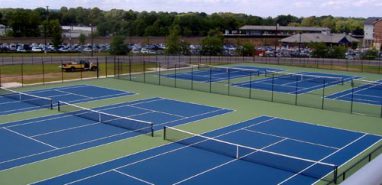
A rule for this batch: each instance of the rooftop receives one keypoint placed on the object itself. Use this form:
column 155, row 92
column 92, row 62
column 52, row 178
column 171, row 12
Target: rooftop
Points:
column 318, row 37
column 283, row 28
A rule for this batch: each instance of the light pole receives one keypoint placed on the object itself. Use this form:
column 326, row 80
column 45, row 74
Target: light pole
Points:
column 45, row 28
column 92, row 39
column 277, row 25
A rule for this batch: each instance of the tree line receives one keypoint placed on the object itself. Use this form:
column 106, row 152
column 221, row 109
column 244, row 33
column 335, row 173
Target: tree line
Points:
column 31, row 23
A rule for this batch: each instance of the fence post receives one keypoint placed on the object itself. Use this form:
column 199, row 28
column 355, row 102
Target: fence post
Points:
column 352, row 98
column 192, row 77
column 97, row 68
column 106, row 66
column 1, row 66
column 250, row 85
column 159, row 73
column 210, row 80
column 273, row 84
column 296, row 90
column 43, row 71
column 62, row 71
column 130, row 67
column 144, row 70
column 22, row 71
column 323, row 95
column 175, row 75
column 228, row 82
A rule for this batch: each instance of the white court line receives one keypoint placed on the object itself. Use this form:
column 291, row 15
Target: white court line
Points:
column 287, row 179
column 66, row 129
column 101, row 138
column 136, row 178
column 67, row 93
column 30, row 138
column 163, row 153
column 216, row 167
column 361, row 88
column 118, row 158
column 297, row 140
column 355, row 156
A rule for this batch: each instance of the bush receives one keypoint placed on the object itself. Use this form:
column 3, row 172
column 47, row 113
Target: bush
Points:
column 370, row 54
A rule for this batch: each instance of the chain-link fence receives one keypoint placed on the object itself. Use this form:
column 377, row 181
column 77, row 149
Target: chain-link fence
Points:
column 203, row 74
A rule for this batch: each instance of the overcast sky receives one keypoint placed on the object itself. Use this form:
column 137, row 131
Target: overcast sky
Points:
column 263, row 8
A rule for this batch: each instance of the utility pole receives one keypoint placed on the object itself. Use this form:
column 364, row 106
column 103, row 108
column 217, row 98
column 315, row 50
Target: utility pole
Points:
column 276, row 41
column 92, row 39
column 45, row 26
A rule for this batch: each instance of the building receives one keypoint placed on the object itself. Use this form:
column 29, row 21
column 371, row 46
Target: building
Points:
column 76, row 31
column 378, row 35
column 372, row 32
column 330, row 39
column 273, row 31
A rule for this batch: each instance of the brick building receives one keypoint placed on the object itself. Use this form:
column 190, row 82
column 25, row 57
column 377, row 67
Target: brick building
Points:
column 373, row 32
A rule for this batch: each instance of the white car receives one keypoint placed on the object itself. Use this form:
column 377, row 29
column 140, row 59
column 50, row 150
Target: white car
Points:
column 36, row 49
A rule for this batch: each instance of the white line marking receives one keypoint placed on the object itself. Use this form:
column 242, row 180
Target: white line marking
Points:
column 297, row 140
column 287, row 179
column 216, row 167
column 30, row 138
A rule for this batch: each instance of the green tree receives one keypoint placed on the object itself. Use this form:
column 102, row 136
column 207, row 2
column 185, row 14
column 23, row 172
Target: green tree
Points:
column 320, row 50
column 118, row 46
column 184, row 48
column 82, row 39
column 56, row 33
column 212, row 45
column 173, row 41
column 337, row 52
column 247, row 49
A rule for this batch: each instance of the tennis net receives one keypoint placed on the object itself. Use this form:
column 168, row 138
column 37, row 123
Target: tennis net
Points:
column 365, row 84
column 106, row 118
column 231, row 70
column 296, row 165
column 306, row 77
column 27, row 98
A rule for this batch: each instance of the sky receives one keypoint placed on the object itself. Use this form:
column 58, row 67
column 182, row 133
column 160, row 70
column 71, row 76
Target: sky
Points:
column 263, row 8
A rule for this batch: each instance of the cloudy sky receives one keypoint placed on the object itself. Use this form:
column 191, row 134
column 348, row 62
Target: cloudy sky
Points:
column 346, row 8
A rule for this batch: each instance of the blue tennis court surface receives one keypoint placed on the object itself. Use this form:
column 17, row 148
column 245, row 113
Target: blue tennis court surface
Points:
column 190, row 164
column 46, row 137
column 220, row 74
column 368, row 93
column 72, row 94
column 296, row 84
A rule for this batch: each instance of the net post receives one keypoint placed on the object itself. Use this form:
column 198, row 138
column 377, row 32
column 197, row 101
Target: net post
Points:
column 335, row 173
column 164, row 132
column 152, row 130
column 59, row 106
column 237, row 152
column 51, row 104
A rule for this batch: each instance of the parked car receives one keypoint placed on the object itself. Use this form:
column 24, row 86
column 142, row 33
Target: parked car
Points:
column 81, row 65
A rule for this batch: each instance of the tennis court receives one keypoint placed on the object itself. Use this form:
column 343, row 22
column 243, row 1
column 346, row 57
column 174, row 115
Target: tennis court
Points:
column 370, row 93
column 263, row 150
column 79, row 128
column 14, row 102
column 295, row 83
column 216, row 74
